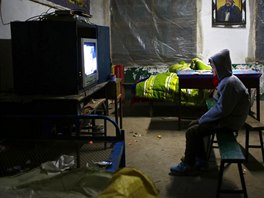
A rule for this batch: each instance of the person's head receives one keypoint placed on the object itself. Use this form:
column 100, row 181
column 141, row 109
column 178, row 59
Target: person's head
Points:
column 229, row 2
column 221, row 64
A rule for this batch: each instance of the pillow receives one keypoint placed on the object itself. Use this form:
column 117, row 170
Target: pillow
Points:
column 198, row 64
column 179, row 66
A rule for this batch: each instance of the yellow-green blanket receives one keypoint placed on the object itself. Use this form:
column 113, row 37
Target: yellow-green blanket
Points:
column 165, row 87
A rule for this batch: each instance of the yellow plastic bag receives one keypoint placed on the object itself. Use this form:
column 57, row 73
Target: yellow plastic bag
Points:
column 130, row 183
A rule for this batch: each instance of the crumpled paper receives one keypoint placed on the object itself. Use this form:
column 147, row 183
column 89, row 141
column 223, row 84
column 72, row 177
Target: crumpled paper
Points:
column 63, row 163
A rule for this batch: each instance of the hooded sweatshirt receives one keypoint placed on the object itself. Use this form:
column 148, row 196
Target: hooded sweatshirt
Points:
column 232, row 98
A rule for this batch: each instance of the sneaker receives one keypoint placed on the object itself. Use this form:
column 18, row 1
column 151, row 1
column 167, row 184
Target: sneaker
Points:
column 181, row 169
column 201, row 164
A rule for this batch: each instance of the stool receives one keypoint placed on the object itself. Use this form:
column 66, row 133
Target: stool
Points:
column 253, row 124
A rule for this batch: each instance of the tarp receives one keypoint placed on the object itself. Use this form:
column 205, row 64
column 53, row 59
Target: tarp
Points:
column 153, row 32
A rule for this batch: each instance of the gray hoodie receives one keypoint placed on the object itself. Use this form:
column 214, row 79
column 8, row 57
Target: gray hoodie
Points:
column 232, row 98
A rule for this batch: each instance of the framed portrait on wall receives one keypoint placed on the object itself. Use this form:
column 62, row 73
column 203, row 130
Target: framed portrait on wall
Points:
column 229, row 13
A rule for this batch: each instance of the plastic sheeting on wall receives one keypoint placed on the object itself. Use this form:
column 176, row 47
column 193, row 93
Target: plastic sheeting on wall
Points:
column 153, row 32
column 260, row 31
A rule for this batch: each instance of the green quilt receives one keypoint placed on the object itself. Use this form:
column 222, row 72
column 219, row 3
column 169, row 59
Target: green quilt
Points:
column 165, row 86
column 162, row 86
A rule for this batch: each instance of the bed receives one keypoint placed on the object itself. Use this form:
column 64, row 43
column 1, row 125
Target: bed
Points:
column 71, row 135
column 164, row 87
column 80, row 165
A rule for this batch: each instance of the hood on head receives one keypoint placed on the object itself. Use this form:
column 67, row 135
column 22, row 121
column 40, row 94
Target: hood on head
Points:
column 222, row 63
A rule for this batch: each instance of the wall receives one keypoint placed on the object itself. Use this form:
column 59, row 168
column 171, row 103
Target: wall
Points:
column 240, row 41
column 13, row 10
column 167, row 34
column 210, row 40
column 99, row 9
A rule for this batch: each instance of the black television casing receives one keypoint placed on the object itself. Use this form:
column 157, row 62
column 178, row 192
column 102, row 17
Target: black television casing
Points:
column 47, row 56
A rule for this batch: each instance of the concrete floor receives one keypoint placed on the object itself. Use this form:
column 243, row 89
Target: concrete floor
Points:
column 153, row 144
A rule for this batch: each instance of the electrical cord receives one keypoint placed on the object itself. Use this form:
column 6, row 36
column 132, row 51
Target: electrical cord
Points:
column 37, row 17
column 41, row 17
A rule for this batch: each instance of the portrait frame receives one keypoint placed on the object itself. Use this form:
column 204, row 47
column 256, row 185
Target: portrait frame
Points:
column 229, row 16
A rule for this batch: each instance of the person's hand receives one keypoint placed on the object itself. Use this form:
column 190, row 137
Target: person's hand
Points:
column 193, row 122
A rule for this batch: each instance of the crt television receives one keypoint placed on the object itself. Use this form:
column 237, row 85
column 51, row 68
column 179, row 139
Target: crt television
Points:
column 59, row 57
column 89, row 61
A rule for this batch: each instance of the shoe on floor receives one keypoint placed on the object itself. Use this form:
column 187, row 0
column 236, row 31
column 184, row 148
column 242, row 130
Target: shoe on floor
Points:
column 181, row 169
column 200, row 164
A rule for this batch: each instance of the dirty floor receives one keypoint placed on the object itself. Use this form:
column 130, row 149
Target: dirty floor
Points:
column 155, row 143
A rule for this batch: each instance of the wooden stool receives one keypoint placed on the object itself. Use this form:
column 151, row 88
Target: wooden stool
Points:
column 253, row 124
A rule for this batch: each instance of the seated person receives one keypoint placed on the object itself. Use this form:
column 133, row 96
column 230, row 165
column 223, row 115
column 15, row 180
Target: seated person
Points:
column 228, row 114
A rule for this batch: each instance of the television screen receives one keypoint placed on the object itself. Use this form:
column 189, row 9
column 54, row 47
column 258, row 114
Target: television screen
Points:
column 89, row 61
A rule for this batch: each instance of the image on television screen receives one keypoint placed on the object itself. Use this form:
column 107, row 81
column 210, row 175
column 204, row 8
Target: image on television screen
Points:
column 90, row 59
